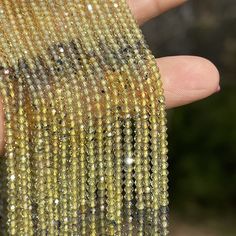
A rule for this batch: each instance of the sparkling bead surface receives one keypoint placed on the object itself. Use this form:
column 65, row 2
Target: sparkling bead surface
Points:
column 85, row 122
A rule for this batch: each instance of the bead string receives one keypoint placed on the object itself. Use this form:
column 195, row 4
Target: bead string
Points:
column 85, row 121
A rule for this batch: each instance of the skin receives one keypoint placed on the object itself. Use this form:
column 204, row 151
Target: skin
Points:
column 185, row 78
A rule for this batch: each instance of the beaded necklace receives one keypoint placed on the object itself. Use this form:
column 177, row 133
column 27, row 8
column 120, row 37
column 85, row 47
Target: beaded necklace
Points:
column 85, row 122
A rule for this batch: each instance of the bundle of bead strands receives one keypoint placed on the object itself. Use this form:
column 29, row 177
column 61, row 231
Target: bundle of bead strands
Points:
column 85, row 122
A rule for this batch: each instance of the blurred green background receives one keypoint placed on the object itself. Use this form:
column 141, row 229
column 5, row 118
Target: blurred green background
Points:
column 202, row 136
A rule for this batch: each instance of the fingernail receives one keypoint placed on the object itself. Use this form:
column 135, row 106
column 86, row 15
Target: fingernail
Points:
column 218, row 89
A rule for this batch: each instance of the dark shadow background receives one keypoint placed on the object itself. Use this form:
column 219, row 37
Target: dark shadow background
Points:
column 202, row 136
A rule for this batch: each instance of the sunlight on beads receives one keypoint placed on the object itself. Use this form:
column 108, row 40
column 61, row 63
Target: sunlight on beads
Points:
column 85, row 122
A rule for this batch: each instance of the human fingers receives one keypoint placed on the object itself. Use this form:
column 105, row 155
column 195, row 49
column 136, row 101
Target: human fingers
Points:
column 187, row 79
column 144, row 10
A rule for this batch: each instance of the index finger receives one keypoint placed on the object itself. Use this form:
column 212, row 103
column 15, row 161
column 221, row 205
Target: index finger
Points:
column 144, row 10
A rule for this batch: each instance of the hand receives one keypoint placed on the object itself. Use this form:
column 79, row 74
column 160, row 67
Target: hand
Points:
column 185, row 78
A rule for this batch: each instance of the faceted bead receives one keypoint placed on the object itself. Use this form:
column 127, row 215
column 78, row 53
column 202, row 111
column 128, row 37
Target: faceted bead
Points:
column 85, row 120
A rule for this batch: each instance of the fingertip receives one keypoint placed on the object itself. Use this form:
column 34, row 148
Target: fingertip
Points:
column 213, row 79
column 187, row 79
column 146, row 10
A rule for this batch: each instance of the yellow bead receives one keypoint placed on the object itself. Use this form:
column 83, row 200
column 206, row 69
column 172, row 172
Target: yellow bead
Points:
column 85, row 120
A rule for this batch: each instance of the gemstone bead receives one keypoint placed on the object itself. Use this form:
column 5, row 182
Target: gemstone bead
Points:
column 85, row 122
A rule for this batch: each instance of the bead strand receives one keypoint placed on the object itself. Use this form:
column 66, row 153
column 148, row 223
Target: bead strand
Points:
column 8, row 98
column 86, row 145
